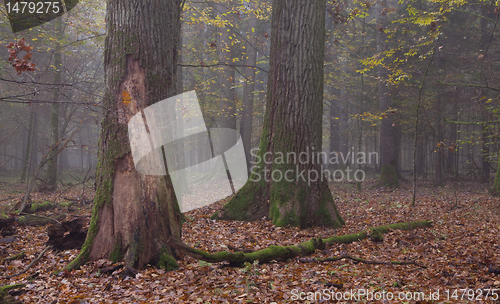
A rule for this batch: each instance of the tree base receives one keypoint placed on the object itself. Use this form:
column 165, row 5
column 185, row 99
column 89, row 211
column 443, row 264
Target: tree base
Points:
column 388, row 177
column 288, row 204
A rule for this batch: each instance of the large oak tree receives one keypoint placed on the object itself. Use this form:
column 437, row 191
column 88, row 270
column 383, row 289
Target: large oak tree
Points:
column 292, row 124
column 134, row 215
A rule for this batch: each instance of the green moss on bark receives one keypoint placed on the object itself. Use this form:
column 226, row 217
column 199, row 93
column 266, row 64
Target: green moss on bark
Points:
column 167, row 261
column 113, row 135
column 116, row 255
column 243, row 206
column 37, row 207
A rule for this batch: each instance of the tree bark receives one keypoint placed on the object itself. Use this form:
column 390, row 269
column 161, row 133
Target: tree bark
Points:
column 439, row 148
column 134, row 215
column 30, row 147
column 388, row 146
column 51, row 180
column 292, row 125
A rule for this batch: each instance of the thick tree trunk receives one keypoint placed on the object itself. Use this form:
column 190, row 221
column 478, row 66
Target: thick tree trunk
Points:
column 291, row 191
column 388, row 146
column 495, row 190
column 134, row 215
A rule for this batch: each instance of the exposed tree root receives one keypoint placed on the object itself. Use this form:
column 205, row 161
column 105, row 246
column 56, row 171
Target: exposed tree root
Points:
column 360, row 260
column 284, row 252
column 29, row 266
column 264, row 255
column 376, row 233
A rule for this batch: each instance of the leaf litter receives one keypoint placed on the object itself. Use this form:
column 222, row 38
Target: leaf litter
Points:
column 458, row 252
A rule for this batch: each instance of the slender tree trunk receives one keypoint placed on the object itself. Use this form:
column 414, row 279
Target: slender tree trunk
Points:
column 334, row 127
column 485, row 140
column 388, row 147
column 248, row 92
column 51, row 179
column 439, row 148
column 451, row 158
column 288, row 191
column 227, row 115
column 134, row 215
column 28, row 156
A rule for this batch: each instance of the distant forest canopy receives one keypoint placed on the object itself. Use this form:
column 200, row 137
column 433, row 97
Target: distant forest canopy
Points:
column 383, row 59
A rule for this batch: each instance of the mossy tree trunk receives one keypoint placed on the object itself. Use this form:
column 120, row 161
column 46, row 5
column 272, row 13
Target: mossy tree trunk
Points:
column 388, row 143
column 291, row 191
column 134, row 215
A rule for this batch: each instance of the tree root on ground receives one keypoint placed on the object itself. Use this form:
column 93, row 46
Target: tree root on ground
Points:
column 360, row 260
column 283, row 252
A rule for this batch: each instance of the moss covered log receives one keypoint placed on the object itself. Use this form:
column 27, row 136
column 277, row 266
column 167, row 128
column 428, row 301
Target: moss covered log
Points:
column 302, row 249
column 5, row 298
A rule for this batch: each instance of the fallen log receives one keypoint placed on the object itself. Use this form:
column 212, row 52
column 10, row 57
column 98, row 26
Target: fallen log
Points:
column 283, row 252
column 38, row 207
column 38, row 220
column 18, row 256
column 5, row 298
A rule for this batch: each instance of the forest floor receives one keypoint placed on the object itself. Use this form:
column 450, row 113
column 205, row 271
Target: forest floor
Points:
column 453, row 255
